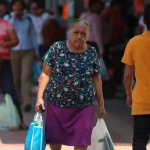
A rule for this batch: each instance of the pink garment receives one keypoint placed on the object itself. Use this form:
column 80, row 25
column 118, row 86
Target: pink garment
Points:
column 94, row 21
column 5, row 29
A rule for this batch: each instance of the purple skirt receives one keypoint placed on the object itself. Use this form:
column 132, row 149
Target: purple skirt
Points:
column 69, row 126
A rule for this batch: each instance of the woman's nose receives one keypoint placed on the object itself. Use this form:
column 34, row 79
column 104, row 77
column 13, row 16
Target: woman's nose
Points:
column 79, row 36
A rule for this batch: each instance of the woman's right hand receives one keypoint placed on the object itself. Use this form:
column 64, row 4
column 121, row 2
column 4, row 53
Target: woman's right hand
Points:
column 39, row 102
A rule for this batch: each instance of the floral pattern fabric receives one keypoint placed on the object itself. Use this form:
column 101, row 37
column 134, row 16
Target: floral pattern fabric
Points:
column 71, row 83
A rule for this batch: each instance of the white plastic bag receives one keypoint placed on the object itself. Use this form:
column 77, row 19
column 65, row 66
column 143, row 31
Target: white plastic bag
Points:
column 101, row 139
column 9, row 117
column 103, row 70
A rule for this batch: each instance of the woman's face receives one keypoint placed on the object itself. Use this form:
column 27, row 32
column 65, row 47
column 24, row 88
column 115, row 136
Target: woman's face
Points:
column 79, row 34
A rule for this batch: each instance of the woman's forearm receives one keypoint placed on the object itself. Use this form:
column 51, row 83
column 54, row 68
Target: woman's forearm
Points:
column 44, row 79
column 11, row 43
column 99, row 92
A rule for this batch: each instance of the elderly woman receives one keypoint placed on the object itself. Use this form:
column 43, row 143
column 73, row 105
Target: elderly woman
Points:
column 69, row 83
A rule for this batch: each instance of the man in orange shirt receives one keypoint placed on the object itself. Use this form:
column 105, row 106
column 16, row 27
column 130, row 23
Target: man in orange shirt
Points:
column 136, row 56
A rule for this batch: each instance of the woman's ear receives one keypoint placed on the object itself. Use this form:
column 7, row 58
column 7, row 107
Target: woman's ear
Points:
column 69, row 31
column 88, row 36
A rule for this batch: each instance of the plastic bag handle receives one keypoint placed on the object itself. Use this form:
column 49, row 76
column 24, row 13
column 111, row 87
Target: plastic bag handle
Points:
column 38, row 116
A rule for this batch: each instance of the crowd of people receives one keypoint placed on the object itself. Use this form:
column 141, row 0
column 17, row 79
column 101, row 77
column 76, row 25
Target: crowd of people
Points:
column 24, row 39
column 70, row 81
column 30, row 32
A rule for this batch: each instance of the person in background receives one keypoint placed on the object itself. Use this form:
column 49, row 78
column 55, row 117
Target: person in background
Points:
column 94, row 20
column 38, row 23
column 46, row 14
column 141, row 26
column 54, row 29
column 114, row 45
column 71, row 81
column 8, row 39
column 3, row 8
column 136, row 57
column 23, row 55
column 60, row 19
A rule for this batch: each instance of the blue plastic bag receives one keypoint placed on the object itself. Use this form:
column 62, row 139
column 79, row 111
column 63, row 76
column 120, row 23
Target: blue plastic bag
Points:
column 36, row 71
column 35, row 139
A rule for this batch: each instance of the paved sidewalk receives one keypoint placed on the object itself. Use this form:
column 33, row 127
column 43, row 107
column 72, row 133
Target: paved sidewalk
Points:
column 66, row 148
column 118, row 121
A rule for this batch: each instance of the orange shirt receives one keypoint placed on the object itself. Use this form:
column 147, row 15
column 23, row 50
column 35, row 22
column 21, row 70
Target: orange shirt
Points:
column 137, row 54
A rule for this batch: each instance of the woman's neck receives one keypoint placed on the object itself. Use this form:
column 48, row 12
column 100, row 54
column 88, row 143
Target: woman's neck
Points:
column 73, row 48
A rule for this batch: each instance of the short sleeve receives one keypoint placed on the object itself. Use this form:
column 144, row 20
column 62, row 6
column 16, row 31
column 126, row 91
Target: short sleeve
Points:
column 49, row 57
column 96, row 65
column 128, row 57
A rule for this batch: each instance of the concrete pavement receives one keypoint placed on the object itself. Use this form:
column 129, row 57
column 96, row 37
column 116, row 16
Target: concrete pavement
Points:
column 65, row 148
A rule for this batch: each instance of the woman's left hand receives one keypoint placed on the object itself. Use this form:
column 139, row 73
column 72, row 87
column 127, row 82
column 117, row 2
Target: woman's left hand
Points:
column 101, row 112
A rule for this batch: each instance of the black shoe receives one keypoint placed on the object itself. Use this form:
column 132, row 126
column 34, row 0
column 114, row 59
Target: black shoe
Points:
column 27, row 107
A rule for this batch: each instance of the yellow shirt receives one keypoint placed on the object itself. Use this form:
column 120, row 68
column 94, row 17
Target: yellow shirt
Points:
column 137, row 54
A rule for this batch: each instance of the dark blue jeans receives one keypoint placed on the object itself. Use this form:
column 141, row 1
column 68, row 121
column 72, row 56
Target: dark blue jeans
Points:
column 7, row 86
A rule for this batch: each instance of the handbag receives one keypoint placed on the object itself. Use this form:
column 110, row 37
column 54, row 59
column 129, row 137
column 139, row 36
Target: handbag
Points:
column 9, row 117
column 101, row 139
column 35, row 139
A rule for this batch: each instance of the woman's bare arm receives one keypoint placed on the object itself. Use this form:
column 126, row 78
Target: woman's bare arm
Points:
column 13, row 40
column 99, row 92
column 44, row 79
column 99, row 95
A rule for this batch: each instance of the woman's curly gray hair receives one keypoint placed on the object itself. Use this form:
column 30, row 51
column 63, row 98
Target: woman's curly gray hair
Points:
column 80, row 20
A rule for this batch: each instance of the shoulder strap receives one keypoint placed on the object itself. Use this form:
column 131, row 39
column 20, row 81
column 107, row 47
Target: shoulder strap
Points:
column 29, row 18
column 9, row 16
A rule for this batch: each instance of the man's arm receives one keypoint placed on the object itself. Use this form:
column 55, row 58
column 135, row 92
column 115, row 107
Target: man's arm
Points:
column 128, row 78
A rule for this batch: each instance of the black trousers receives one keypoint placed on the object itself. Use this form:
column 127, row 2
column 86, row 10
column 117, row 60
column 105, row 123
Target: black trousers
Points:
column 141, row 132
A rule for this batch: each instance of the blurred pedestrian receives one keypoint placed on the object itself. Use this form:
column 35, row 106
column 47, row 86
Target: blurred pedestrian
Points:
column 23, row 55
column 3, row 8
column 46, row 14
column 8, row 39
column 60, row 19
column 136, row 57
column 114, row 45
column 54, row 30
column 71, row 81
column 94, row 20
column 38, row 23
column 141, row 26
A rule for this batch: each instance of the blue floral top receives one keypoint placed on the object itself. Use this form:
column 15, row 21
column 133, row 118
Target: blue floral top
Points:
column 71, row 83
